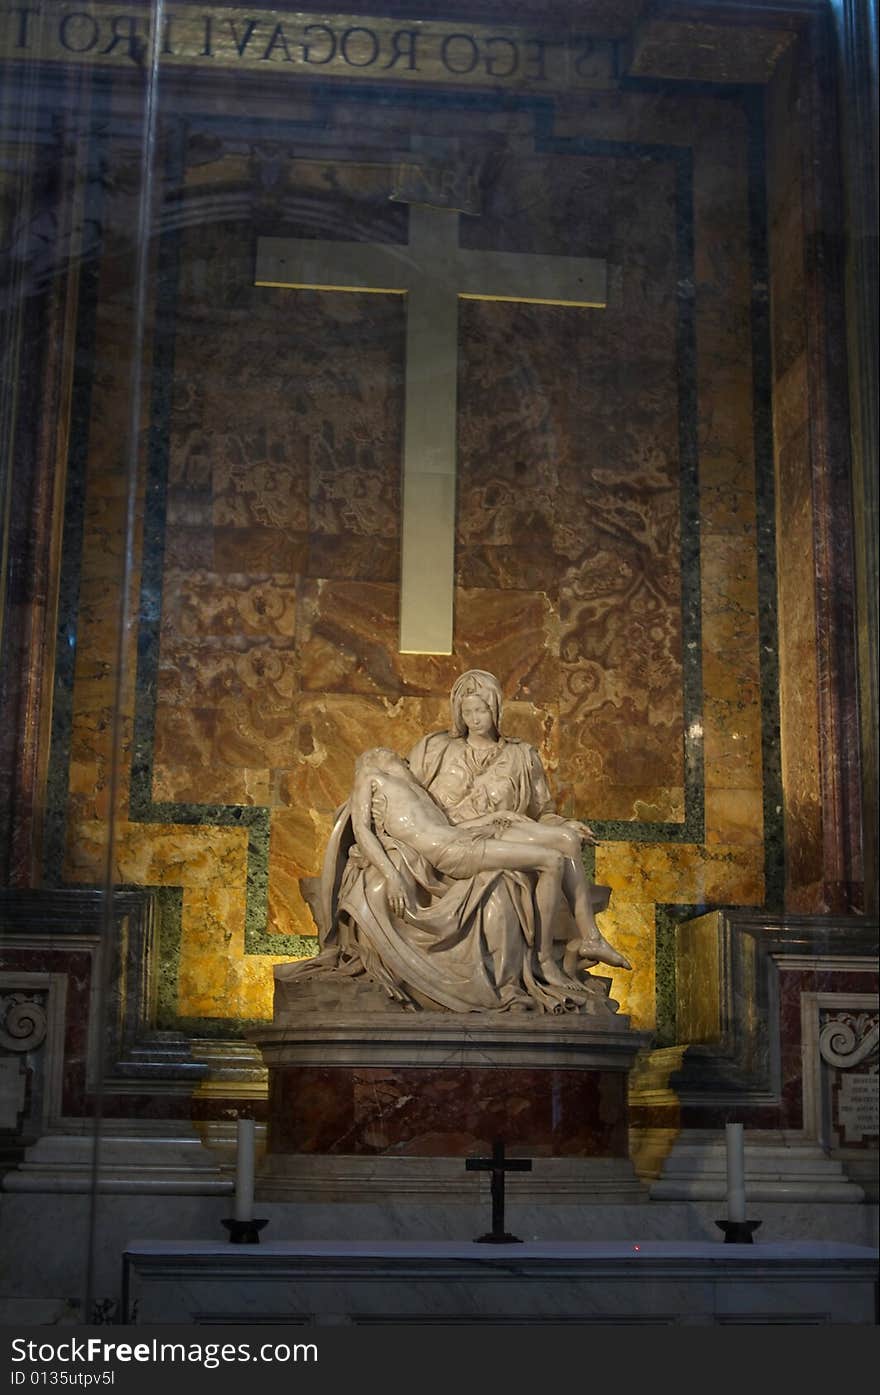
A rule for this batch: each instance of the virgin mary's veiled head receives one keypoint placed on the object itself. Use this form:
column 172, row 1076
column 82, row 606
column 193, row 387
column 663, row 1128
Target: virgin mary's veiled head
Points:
column 475, row 683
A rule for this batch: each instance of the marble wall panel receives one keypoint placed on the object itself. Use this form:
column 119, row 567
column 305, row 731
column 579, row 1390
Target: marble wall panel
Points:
column 730, row 624
column 215, row 977
column 798, row 684
column 190, row 545
column 726, row 509
column 354, row 453
column 160, row 855
column 791, row 404
column 183, row 749
column 297, row 842
column 334, row 729
column 336, row 362
column 251, row 550
column 620, row 703
column 226, row 674
column 681, row 873
column 237, row 605
column 102, row 692
column 729, row 573
column 731, row 679
column 509, row 457
column 226, row 685
column 810, row 447
column 542, row 203
column 735, row 815
column 104, row 673
column 90, row 770
column 732, row 737
column 725, row 429
column 538, row 723
column 250, row 737
column 348, row 641
column 798, row 691
column 278, row 661
column 250, row 486
column 189, row 508
column 515, row 636
column 628, row 924
column 298, row 422
column 220, row 784
column 346, row 555
column 618, row 527
column 789, row 280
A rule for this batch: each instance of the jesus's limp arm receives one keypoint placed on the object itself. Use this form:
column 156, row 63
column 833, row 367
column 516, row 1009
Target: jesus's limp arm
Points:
column 400, row 895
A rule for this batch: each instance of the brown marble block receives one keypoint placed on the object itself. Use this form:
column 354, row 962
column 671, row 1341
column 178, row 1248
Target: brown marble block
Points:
column 441, row 1112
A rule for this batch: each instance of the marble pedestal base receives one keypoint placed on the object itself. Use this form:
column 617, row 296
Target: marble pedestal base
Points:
column 394, row 1103
column 390, row 1180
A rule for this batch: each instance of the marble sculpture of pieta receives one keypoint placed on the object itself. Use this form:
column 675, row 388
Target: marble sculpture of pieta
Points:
column 450, row 882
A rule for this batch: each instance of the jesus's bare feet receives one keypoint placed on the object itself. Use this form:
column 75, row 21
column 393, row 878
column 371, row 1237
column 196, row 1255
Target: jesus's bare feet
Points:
column 597, row 949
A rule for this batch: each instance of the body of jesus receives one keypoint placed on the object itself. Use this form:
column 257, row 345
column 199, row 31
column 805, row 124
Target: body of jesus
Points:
column 389, row 803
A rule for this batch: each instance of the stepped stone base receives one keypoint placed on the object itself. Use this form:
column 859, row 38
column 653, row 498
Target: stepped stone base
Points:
column 779, row 1166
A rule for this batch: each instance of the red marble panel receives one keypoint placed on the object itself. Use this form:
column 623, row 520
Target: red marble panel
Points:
column 798, row 694
column 788, row 1114
column 435, row 1111
column 792, row 984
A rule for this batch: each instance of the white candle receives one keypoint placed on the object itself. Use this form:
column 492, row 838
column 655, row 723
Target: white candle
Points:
column 244, row 1171
column 736, row 1182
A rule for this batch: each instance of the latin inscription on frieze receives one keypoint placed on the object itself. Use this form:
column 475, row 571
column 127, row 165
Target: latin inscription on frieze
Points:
column 12, row 1091
column 310, row 45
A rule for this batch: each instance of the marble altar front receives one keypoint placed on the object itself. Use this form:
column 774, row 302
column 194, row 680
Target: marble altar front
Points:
column 662, row 1283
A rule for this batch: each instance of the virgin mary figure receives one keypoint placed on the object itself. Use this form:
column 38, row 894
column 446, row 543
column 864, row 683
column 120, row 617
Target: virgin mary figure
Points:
column 469, row 943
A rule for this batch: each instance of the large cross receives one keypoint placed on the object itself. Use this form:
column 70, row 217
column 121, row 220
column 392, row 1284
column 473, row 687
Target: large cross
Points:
column 434, row 273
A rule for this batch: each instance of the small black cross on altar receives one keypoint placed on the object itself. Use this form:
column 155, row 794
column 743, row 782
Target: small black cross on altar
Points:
column 498, row 1165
